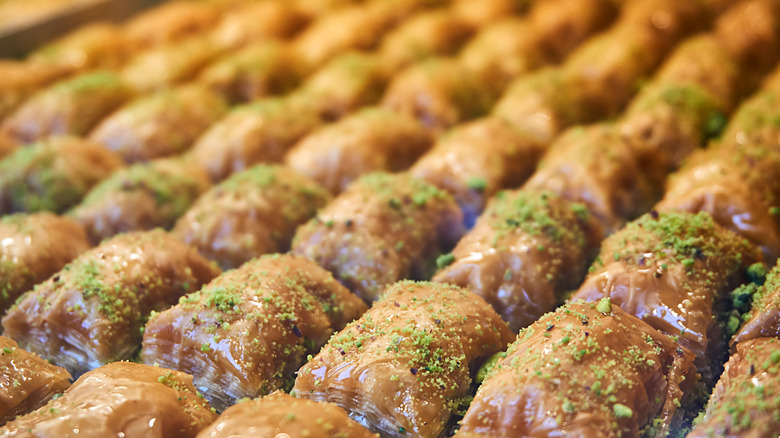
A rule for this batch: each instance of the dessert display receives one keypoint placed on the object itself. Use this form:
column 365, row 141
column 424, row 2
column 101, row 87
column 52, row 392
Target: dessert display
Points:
column 470, row 218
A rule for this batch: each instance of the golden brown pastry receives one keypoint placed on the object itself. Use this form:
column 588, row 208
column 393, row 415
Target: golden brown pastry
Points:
column 358, row 27
column 172, row 63
column 33, row 248
column 587, row 369
column 248, row 331
column 407, row 365
column 738, row 186
column 280, row 413
column 93, row 310
column 436, row 32
column 746, row 400
column 254, row 212
column 53, row 174
column 475, row 160
column 27, row 382
column 382, row 229
column 252, row 22
column 161, row 124
column 169, row 21
column 592, row 165
column 764, row 317
column 440, row 93
column 141, row 197
column 599, row 78
column 121, row 399
column 671, row 270
column 72, row 106
column 259, row 132
column 483, row 12
column 524, row 253
column 96, row 45
column 373, row 139
column 21, row 80
column 513, row 46
column 261, row 69
column 343, row 85
column 754, row 121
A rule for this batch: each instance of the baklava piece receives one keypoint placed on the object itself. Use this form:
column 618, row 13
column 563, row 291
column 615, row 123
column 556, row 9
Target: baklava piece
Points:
column 92, row 312
column 373, row 139
column 34, row 247
column 440, row 93
column 475, row 160
column 260, row 132
column 248, row 331
column 53, row 174
column 254, row 212
column 27, row 382
column 258, row 70
column 72, row 106
column 587, row 369
column 764, row 317
column 279, row 414
column 20, row 81
column 161, row 124
column 170, row 64
column 343, row 85
column 407, row 365
column 382, row 229
column 141, row 197
column 97, row 45
column 526, row 251
column 423, row 36
column 252, row 22
column 673, row 271
column 121, row 399
column 746, row 400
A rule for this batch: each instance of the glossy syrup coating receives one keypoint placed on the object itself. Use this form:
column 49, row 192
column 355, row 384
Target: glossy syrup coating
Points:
column 371, row 140
column 346, row 83
column 382, row 229
column 53, row 174
column 161, row 124
column 254, row 212
column 121, row 399
column 523, row 254
column 424, row 35
column 261, row 69
column 27, row 382
column 71, row 106
column 737, row 185
column 513, row 46
column 475, row 160
column 34, row 247
column 406, row 366
column 141, row 197
column 280, row 413
column 96, row 45
column 170, row 21
column 764, row 317
column 592, row 165
column 171, row 63
column 253, row 22
column 589, row 370
column 259, row 132
column 92, row 311
column 746, row 400
column 440, row 93
column 248, row 331
column 672, row 270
